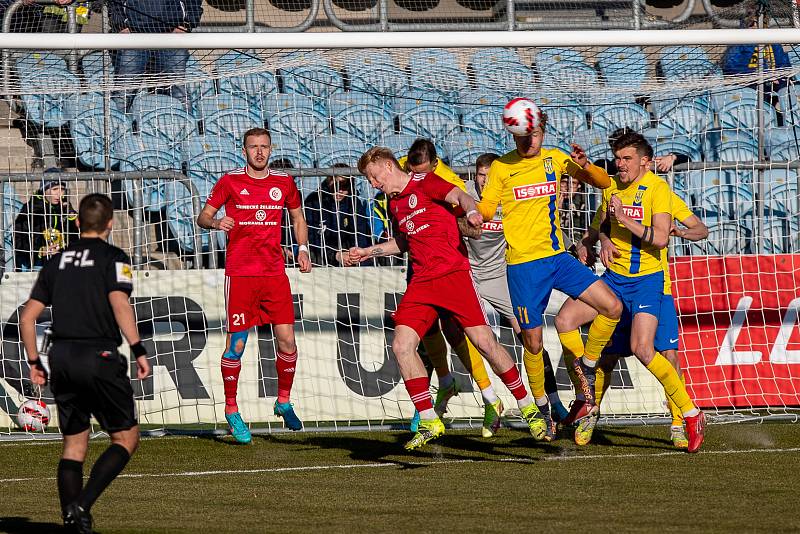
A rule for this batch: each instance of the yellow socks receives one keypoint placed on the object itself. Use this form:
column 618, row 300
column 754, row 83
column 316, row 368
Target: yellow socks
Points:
column 599, row 334
column 473, row 362
column 673, row 387
column 602, row 381
column 436, row 348
column 677, row 416
column 572, row 344
column 534, row 367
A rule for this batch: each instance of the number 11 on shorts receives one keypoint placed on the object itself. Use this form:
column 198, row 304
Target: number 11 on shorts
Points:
column 522, row 314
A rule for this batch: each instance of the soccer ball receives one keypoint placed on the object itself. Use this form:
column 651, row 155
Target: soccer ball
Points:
column 33, row 416
column 521, row 116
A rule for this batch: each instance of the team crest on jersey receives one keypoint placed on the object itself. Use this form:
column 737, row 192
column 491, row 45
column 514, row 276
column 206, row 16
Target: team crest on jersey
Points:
column 410, row 226
column 639, row 194
column 275, row 193
column 124, row 273
column 412, row 201
column 548, row 165
column 261, row 215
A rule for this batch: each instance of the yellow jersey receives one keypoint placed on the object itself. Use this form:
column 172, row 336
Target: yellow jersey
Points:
column 527, row 190
column 442, row 171
column 680, row 212
column 641, row 200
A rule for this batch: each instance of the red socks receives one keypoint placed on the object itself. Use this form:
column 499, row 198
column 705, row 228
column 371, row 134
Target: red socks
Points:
column 285, row 365
column 419, row 391
column 230, row 380
column 513, row 381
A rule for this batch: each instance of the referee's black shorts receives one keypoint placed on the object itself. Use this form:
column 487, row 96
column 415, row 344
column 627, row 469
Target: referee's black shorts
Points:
column 91, row 379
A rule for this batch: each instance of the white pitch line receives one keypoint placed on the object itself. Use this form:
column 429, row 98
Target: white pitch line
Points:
column 402, row 464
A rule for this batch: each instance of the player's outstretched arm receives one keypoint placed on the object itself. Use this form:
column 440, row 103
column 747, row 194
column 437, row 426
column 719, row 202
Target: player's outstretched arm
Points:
column 356, row 255
column 206, row 220
column 580, row 168
column 301, row 236
column 695, row 229
column 27, row 330
column 123, row 313
column 463, row 200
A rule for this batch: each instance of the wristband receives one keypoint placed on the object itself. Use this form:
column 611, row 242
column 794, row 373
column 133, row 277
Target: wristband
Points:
column 137, row 349
column 470, row 212
column 36, row 363
column 302, row 248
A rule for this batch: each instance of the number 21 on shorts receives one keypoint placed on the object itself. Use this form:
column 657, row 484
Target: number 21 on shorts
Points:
column 238, row 319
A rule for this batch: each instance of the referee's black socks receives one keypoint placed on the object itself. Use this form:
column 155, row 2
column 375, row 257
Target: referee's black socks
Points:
column 70, row 481
column 105, row 470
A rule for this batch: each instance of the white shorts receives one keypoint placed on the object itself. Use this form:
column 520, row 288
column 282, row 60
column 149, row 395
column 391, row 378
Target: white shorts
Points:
column 495, row 292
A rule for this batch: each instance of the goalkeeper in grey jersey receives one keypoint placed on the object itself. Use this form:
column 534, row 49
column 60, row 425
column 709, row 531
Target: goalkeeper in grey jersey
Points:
column 487, row 257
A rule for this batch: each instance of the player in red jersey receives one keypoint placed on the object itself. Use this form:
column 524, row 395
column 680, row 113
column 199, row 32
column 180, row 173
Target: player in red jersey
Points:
column 423, row 208
column 256, row 286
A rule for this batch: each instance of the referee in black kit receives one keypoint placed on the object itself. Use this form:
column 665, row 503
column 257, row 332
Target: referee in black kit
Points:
column 88, row 285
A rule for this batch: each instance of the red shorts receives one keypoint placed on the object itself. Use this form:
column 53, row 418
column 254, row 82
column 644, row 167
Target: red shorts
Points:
column 256, row 300
column 454, row 294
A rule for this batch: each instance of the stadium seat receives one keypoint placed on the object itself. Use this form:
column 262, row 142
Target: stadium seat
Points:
column 744, row 114
column 181, row 217
column 412, row 99
column 552, row 141
column 329, row 150
column 278, row 102
column 687, row 62
column 781, row 236
column 594, row 142
column 11, row 208
column 253, row 85
column 364, row 122
column 37, row 61
column 208, row 167
column 231, row 122
column 612, row 116
column 357, row 60
column 431, row 120
column 86, row 102
column 564, row 119
column 688, row 117
column 436, row 69
column 399, row 143
column 722, row 97
column 789, row 103
column 172, row 126
column 212, row 103
column 781, row 191
column 92, row 65
column 199, row 86
column 727, row 201
column 462, row 149
column 487, row 118
column 737, row 151
column 153, row 190
column 201, row 144
column 623, row 66
column 374, row 73
column 145, row 102
column 545, row 58
column 88, row 133
column 303, row 123
column 423, row 59
column 487, row 58
column 313, row 80
column 289, row 148
column 724, row 238
column 470, row 98
column 48, row 96
column 508, row 77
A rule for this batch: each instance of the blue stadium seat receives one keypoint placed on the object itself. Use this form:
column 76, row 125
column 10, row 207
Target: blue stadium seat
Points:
column 423, row 59
column 781, row 236
column 37, row 61
column 357, row 60
column 92, row 65
column 199, row 86
column 253, row 85
column 414, row 98
column 553, row 141
column 781, row 192
column 488, row 118
column 275, row 103
column 594, row 142
column 686, row 117
column 789, row 103
column 181, row 222
column 329, row 150
column 470, row 98
column 88, row 134
column 612, row 116
column 564, row 119
column 431, row 120
column 319, row 80
column 545, row 58
column 728, row 201
column 436, row 69
column 232, row 122
column 205, row 169
column 737, row 151
column 364, row 122
column 303, row 123
column 724, row 238
column 148, row 102
column 464, row 148
column 48, row 96
column 623, row 66
column 683, row 145
column 687, row 62
column 153, row 192
column 744, row 114
column 85, row 103
column 201, row 144
column 374, row 73
column 488, row 58
column 350, row 98
column 399, row 143
column 172, row 126
column 506, row 77
column 290, row 148
column 212, row 103
column 722, row 97
column 11, row 208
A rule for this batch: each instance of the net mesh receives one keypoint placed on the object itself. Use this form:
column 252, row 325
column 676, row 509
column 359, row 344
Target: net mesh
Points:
column 158, row 142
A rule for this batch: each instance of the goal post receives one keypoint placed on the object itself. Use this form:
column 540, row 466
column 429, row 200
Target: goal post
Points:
column 326, row 98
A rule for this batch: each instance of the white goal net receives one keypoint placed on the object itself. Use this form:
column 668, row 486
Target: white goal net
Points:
column 157, row 143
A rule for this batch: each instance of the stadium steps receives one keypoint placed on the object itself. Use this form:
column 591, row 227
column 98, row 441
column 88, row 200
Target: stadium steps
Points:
column 15, row 154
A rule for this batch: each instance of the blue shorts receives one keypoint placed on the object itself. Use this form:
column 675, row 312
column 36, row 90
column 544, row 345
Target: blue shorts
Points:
column 638, row 294
column 531, row 283
column 667, row 332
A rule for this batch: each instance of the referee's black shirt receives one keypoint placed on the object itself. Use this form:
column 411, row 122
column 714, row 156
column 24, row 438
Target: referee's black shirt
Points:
column 76, row 282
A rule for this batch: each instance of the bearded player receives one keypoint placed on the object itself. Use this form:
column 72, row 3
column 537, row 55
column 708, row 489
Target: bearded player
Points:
column 257, row 289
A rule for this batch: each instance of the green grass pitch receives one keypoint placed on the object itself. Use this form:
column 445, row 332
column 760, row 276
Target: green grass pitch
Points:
column 629, row 479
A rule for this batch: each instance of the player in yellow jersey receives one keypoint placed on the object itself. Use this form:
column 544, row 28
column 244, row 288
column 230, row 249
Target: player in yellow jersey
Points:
column 667, row 337
column 636, row 215
column 525, row 182
column 422, row 158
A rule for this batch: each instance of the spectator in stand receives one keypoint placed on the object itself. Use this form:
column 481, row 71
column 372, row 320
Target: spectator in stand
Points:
column 153, row 16
column 337, row 220
column 44, row 226
column 55, row 18
column 574, row 211
column 743, row 59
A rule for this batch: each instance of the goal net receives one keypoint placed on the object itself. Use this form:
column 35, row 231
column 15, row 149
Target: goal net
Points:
column 158, row 142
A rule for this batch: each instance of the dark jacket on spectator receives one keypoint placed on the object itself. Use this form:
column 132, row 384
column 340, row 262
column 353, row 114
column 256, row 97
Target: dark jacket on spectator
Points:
column 333, row 228
column 40, row 225
column 155, row 16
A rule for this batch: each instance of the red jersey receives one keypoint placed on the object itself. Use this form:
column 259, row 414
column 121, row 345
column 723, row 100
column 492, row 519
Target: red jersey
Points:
column 428, row 222
column 256, row 206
